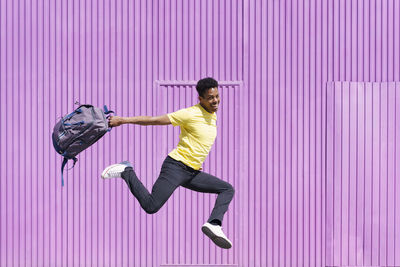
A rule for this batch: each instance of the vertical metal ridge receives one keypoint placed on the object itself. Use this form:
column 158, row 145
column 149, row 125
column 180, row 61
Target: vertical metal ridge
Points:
column 1, row 138
column 395, row 172
column 11, row 140
column 363, row 165
column 388, row 175
column 27, row 145
column 3, row 135
column 380, row 167
column 37, row 131
column 341, row 175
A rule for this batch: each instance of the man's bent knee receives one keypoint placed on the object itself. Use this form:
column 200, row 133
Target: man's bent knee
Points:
column 230, row 189
column 152, row 210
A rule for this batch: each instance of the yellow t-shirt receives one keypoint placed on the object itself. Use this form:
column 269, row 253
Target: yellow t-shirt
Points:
column 198, row 132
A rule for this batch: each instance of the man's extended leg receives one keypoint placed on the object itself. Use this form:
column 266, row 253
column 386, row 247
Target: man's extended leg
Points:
column 207, row 183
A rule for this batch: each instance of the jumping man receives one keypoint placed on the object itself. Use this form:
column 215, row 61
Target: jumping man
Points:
column 182, row 166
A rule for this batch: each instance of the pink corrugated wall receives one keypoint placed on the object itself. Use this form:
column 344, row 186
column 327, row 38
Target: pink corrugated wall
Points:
column 275, row 58
column 363, row 218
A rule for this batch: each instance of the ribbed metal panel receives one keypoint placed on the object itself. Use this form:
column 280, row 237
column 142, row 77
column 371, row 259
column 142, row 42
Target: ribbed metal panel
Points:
column 362, row 174
column 181, row 240
column 292, row 48
column 285, row 71
column 53, row 53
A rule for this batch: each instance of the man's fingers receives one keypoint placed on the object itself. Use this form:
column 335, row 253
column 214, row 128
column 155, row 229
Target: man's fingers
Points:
column 110, row 122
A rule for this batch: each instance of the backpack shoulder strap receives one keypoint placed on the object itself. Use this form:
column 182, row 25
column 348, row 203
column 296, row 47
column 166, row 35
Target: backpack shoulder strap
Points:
column 106, row 111
column 63, row 166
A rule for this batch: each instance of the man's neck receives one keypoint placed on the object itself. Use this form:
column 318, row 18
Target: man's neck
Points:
column 205, row 108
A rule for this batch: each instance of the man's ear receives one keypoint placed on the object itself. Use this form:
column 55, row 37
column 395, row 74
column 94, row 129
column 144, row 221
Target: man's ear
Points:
column 199, row 98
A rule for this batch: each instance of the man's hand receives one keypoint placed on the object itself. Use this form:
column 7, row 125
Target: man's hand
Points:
column 114, row 121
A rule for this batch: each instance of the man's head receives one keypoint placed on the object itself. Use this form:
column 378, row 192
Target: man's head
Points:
column 208, row 94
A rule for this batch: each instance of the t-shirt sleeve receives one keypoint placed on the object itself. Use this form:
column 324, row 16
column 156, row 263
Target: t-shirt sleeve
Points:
column 180, row 117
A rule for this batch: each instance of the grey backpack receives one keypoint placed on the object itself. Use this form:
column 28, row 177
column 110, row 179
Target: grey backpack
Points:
column 79, row 130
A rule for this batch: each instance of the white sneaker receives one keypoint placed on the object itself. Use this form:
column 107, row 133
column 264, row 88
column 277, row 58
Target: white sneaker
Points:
column 214, row 232
column 115, row 170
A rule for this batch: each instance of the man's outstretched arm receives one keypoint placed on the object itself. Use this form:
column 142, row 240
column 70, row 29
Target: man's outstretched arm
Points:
column 115, row 121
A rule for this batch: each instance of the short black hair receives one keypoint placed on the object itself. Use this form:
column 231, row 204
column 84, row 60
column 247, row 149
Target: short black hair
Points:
column 204, row 84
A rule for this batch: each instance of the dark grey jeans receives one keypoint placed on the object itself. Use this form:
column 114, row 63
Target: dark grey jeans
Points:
column 174, row 174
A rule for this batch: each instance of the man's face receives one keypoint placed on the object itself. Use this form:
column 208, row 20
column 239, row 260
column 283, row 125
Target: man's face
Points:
column 210, row 100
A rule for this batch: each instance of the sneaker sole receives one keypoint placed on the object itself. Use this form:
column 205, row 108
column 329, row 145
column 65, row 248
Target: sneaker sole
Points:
column 106, row 170
column 219, row 241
